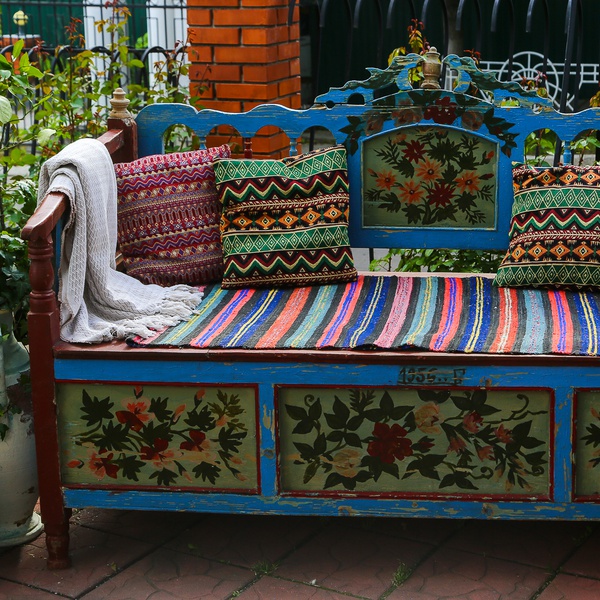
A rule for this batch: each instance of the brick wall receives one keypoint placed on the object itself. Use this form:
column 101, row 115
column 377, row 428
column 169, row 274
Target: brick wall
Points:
column 253, row 57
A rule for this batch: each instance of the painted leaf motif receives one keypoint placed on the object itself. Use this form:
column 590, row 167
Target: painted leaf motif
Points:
column 94, row 410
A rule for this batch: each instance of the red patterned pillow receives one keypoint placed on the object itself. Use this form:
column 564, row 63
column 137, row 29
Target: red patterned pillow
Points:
column 168, row 217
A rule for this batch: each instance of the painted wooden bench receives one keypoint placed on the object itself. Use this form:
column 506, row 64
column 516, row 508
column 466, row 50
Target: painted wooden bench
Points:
column 408, row 432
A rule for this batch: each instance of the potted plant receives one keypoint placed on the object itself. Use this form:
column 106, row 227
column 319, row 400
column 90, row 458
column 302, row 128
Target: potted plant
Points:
column 18, row 474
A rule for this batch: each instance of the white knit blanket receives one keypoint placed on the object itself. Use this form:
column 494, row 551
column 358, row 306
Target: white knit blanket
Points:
column 97, row 302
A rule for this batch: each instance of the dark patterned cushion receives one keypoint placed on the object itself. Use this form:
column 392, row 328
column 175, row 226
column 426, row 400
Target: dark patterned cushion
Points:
column 555, row 229
column 285, row 222
column 168, row 217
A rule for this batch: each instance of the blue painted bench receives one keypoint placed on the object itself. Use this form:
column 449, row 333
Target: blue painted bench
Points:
column 419, row 428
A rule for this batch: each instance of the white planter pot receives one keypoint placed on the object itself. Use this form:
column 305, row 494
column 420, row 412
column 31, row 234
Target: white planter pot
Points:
column 18, row 484
column 18, row 470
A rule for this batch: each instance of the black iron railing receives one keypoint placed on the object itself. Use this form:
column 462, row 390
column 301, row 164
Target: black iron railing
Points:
column 340, row 38
column 343, row 37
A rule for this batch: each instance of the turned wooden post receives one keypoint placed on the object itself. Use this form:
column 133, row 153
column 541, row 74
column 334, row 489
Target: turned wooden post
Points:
column 44, row 328
column 120, row 118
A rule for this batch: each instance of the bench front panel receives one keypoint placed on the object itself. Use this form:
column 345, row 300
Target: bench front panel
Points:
column 301, row 438
column 168, row 436
column 474, row 442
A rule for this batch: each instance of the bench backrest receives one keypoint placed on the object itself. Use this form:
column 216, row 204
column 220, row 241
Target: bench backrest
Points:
column 428, row 168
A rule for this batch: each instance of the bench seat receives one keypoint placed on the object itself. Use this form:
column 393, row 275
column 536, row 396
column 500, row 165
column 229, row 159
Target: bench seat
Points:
column 393, row 312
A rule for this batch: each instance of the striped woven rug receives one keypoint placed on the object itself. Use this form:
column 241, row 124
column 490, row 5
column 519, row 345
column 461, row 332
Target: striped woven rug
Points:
column 379, row 312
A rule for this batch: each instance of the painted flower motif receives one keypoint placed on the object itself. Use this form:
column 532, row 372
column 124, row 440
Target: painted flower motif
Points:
column 457, row 444
column 414, row 150
column 472, row 120
column 440, row 194
column 408, row 115
column 102, row 466
column 135, row 416
column 427, row 417
column 374, row 123
column 443, row 111
column 385, row 180
column 468, row 181
column 222, row 420
column 472, row 422
column 196, row 441
column 485, row 453
column 157, row 453
column 411, row 192
column 346, row 462
column 200, row 445
column 429, row 170
column 503, row 434
column 390, row 443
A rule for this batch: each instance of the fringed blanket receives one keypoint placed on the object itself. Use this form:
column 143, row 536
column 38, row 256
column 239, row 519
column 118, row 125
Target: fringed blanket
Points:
column 440, row 314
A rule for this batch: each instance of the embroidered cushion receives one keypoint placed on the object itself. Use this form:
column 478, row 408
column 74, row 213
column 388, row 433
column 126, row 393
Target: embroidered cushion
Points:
column 555, row 229
column 285, row 222
column 168, row 217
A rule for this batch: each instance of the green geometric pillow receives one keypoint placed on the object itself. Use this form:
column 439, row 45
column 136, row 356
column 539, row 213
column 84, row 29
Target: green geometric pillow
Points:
column 555, row 229
column 285, row 222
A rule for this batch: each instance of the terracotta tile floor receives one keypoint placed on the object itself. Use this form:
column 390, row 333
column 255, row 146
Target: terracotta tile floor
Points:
column 120, row 555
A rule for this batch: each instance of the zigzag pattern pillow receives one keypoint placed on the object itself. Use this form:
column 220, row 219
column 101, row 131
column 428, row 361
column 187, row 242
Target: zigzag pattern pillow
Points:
column 555, row 229
column 168, row 217
column 285, row 222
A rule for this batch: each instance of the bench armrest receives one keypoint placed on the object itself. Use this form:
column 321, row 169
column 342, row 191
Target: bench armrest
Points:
column 53, row 206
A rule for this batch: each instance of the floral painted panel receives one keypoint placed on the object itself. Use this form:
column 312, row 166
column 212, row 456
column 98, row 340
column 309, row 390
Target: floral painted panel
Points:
column 587, row 461
column 158, row 435
column 429, row 176
column 415, row 441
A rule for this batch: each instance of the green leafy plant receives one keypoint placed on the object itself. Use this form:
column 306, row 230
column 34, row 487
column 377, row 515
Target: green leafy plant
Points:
column 438, row 260
column 19, row 99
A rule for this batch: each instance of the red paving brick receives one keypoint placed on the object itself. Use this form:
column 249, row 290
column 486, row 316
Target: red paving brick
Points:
column 541, row 544
column 349, row 560
column 169, row 574
column 142, row 555
column 246, row 540
column 568, row 587
column 458, row 575
column 269, row 588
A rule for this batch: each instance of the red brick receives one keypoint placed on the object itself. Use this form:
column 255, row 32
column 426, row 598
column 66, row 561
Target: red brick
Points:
column 294, row 66
column 219, row 35
column 262, row 36
column 224, row 105
column 199, row 16
column 251, row 16
column 246, row 91
column 225, row 73
column 289, row 87
column 202, row 89
column 288, row 51
column 243, row 55
column 202, row 54
column 213, row 3
column 264, row 3
column 263, row 74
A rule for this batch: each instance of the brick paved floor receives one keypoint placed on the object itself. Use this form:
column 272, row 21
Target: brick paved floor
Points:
column 120, row 555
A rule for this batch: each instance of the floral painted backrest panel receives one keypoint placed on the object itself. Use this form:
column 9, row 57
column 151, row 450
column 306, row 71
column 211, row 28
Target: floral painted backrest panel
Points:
column 429, row 176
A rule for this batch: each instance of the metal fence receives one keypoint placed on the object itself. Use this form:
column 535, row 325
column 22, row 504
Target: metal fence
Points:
column 340, row 38
column 152, row 22
column 518, row 38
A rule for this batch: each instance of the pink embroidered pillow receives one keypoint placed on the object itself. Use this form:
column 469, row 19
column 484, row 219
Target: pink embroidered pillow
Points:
column 168, row 217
